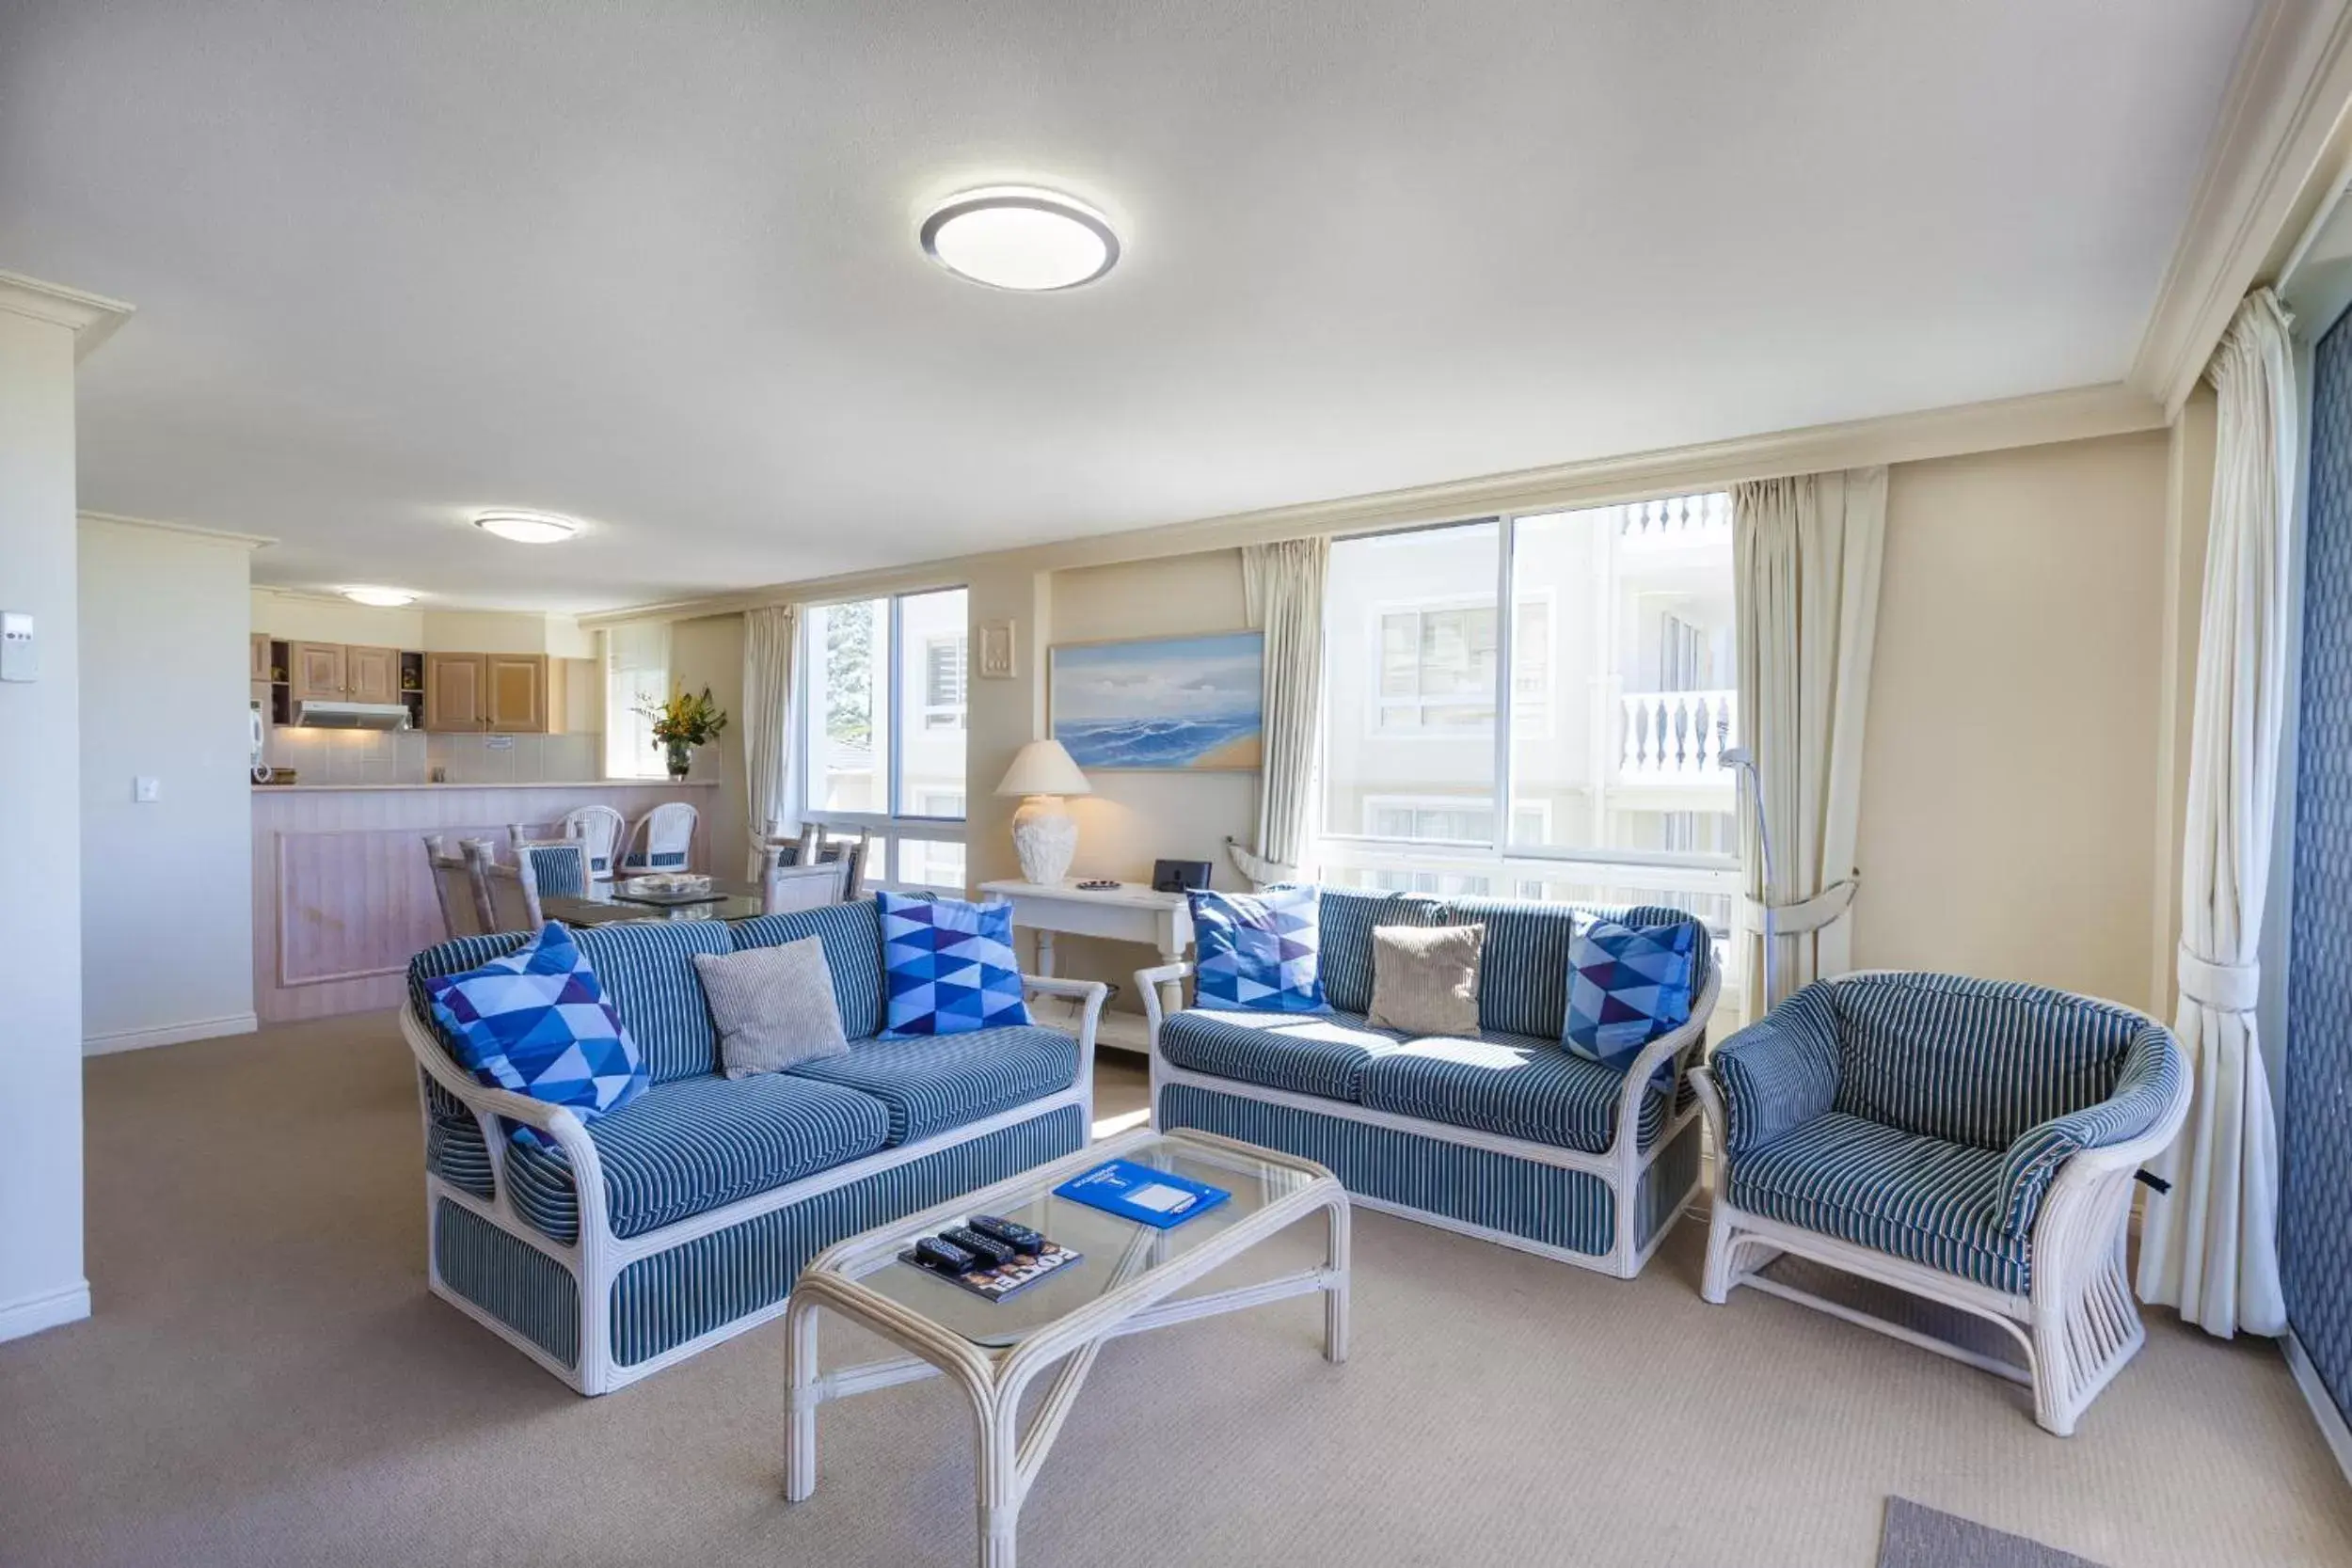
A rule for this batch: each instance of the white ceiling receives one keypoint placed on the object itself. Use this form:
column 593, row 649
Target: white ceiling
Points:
column 656, row 265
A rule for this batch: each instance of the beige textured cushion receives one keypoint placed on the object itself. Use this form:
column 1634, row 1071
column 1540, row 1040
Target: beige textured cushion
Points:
column 1424, row 979
column 773, row 1006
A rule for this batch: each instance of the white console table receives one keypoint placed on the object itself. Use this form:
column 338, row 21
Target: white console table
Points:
column 1129, row 912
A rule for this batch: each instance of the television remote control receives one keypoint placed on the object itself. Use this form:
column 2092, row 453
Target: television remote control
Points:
column 1018, row 1237
column 995, row 1252
column 945, row 1256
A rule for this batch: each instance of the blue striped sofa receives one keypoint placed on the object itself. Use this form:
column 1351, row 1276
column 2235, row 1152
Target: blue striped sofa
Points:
column 683, row 1218
column 1971, row 1141
column 1509, row 1138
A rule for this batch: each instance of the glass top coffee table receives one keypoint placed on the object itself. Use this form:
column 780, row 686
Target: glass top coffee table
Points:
column 1122, row 1284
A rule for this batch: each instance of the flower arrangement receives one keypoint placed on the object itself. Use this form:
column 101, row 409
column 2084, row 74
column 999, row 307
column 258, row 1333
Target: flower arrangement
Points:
column 682, row 723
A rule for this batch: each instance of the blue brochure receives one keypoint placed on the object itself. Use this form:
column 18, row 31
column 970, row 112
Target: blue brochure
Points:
column 1138, row 1193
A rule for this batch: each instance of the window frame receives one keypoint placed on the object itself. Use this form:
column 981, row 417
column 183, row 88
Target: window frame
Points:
column 1378, row 706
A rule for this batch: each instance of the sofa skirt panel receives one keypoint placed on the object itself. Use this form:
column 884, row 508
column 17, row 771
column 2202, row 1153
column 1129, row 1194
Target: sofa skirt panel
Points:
column 1669, row 1182
column 674, row 1296
column 1569, row 1209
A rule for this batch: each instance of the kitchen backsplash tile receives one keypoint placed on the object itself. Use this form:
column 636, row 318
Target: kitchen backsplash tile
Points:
column 370, row 757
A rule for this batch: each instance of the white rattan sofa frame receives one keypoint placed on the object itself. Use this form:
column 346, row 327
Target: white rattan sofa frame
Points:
column 597, row 1258
column 1622, row 1165
column 2078, row 1322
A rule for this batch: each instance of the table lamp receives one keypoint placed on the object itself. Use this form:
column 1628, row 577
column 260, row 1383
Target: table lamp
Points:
column 1045, row 835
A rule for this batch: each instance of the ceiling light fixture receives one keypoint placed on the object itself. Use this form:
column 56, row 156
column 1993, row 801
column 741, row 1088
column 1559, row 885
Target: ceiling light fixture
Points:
column 382, row 599
column 527, row 528
column 1021, row 238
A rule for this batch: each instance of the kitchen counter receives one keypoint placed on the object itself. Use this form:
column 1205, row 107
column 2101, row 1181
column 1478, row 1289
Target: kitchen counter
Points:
column 551, row 784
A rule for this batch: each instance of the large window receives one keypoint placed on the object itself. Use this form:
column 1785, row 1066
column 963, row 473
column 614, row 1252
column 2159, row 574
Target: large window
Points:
column 882, row 731
column 637, row 675
column 1613, row 670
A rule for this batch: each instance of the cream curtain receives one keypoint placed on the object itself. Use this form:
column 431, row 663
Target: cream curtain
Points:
column 2211, row 1247
column 770, row 636
column 1282, row 597
column 1805, row 561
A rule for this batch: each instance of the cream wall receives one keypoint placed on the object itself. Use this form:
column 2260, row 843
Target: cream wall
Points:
column 166, row 884
column 709, row 651
column 309, row 619
column 2011, row 778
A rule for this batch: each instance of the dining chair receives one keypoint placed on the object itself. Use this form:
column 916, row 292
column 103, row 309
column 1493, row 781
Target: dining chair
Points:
column 510, row 893
column 465, row 912
column 559, row 866
column 662, row 839
column 785, row 887
column 602, row 829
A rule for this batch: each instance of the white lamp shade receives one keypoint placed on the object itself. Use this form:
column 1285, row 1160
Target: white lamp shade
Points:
column 1043, row 768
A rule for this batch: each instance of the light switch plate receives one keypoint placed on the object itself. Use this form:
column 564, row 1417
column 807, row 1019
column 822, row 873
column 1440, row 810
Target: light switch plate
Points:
column 20, row 660
column 147, row 791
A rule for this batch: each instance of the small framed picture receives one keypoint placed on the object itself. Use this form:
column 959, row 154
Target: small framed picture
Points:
column 995, row 659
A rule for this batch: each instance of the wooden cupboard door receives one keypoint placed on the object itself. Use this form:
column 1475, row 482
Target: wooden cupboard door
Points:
column 372, row 674
column 517, row 687
column 261, row 658
column 454, row 698
column 319, row 673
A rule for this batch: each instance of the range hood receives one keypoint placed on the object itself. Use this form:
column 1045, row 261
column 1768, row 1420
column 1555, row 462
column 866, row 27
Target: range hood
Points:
column 351, row 716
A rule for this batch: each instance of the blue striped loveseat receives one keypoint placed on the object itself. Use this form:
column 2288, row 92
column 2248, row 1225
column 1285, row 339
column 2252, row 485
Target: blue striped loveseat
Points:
column 1971, row 1141
column 683, row 1218
column 1508, row 1137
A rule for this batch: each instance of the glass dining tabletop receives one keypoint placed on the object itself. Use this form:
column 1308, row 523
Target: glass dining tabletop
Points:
column 608, row 902
column 1114, row 1251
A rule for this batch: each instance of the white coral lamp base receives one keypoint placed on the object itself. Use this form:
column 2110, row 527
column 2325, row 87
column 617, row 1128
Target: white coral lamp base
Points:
column 1046, row 836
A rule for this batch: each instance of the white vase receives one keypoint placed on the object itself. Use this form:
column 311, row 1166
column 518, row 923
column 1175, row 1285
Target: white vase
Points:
column 1046, row 836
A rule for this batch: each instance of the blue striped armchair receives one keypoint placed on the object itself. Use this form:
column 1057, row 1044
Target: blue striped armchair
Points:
column 1970, row 1141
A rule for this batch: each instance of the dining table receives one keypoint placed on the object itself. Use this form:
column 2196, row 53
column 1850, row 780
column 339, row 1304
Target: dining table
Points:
column 608, row 903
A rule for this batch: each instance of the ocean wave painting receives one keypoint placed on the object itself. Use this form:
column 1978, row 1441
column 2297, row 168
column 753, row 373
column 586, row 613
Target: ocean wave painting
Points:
column 1188, row 702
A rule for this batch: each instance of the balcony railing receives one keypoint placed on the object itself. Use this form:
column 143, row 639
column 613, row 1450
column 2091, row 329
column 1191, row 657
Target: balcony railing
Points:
column 1675, row 521
column 1677, row 737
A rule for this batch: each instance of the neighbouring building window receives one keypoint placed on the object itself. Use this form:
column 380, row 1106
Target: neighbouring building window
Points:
column 1613, row 629
column 637, row 675
column 881, row 738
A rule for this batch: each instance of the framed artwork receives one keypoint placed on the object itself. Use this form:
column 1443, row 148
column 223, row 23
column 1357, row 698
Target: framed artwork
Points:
column 996, row 661
column 1164, row 703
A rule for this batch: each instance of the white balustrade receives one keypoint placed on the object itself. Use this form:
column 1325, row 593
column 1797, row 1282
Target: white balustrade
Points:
column 1677, row 737
column 1677, row 521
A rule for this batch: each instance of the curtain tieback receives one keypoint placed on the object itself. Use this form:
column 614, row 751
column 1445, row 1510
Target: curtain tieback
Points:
column 2229, row 987
column 1802, row 915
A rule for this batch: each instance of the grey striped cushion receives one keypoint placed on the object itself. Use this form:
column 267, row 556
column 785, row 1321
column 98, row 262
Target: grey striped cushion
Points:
column 647, row 968
column 1780, row 1071
column 1345, row 920
column 2152, row 1076
column 1932, row 1201
column 1513, row 1086
column 693, row 1145
column 1523, row 975
column 1319, row 1054
column 933, row 1082
column 853, row 937
column 1976, row 1062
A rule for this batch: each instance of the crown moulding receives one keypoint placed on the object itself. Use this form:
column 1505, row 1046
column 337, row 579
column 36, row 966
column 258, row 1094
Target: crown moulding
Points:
column 91, row 317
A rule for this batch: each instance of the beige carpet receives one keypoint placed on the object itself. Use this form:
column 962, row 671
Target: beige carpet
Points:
column 267, row 1382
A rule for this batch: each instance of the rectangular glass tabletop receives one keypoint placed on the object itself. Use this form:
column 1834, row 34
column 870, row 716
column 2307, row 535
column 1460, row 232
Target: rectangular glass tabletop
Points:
column 1115, row 1250
column 731, row 901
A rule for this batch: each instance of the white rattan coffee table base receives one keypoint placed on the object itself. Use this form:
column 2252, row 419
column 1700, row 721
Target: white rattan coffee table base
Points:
column 996, row 1379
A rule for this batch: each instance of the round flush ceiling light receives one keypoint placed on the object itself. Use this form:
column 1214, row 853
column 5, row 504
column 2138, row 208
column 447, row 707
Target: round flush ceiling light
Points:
column 382, row 599
column 527, row 528
column 1017, row 237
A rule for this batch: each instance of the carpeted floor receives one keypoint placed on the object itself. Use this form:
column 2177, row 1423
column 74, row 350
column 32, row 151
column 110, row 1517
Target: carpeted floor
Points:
column 267, row 1382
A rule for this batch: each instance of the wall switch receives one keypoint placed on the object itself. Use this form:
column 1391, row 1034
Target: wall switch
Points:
column 147, row 791
column 20, row 660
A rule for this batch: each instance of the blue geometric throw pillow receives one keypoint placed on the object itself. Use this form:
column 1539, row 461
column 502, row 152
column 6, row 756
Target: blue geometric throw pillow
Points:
column 947, row 966
column 536, row 1022
column 1626, row 986
column 1258, row 953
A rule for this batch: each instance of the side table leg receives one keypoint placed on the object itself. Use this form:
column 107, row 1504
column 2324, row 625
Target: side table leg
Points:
column 997, row 1475
column 801, row 1396
column 1335, row 1293
column 1046, row 953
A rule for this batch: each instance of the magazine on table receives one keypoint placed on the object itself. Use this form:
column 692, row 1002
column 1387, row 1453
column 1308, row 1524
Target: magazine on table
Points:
column 1155, row 1197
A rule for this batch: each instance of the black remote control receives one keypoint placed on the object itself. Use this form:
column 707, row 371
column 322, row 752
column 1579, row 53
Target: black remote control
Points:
column 945, row 1256
column 1018, row 1237
column 996, row 1253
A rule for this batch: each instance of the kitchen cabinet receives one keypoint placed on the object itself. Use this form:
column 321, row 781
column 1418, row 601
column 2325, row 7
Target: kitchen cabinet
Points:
column 454, row 698
column 320, row 672
column 372, row 674
column 260, row 671
column 502, row 693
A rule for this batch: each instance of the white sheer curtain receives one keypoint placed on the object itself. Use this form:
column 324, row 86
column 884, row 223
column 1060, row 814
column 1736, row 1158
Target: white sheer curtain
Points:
column 1282, row 597
column 771, row 636
column 1805, row 563
column 2210, row 1249
column 637, row 675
